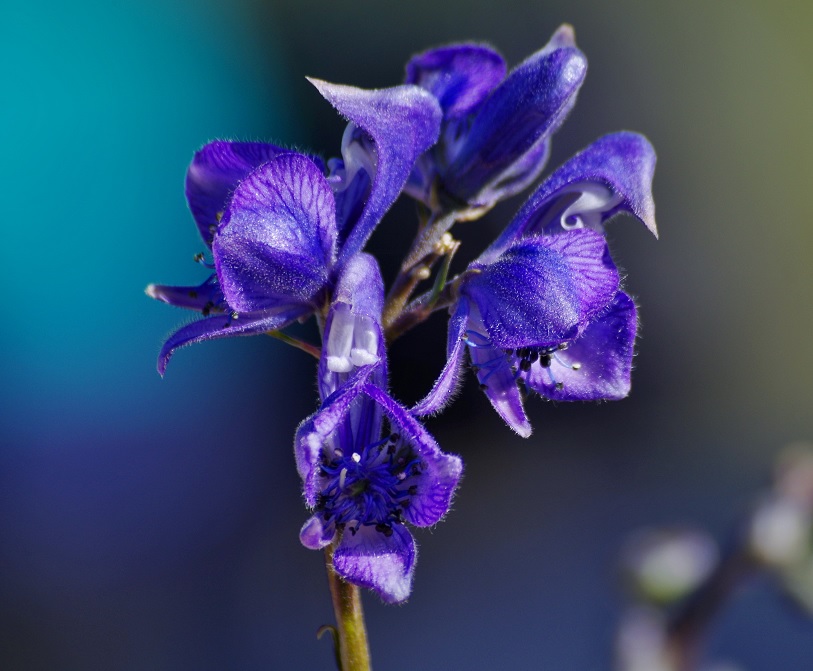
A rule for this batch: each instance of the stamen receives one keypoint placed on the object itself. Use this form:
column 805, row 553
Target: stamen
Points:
column 364, row 488
column 201, row 259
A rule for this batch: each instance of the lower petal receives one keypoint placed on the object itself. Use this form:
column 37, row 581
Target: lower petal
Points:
column 226, row 326
column 202, row 297
column 440, row 472
column 597, row 365
column 447, row 384
column 500, row 386
column 382, row 563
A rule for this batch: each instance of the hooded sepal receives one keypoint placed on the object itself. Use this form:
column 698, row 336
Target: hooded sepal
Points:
column 612, row 175
column 460, row 76
column 524, row 110
column 543, row 290
column 402, row 122
column 277, row 239
column 216, row 169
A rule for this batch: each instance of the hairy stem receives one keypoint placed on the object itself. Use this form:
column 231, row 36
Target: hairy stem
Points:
column 431, row 245
column 354, row 652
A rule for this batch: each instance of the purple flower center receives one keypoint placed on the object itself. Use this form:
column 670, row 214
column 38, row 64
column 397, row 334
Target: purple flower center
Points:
column 372, row 487
column 521, row 360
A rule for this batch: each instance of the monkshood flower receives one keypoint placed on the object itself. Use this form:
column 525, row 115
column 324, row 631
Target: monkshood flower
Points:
column 364, row 486
column 542, row 305
column 495, row 136
column 278, row 229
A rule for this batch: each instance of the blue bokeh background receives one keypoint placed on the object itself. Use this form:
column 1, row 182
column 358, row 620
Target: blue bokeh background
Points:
column 152, row 524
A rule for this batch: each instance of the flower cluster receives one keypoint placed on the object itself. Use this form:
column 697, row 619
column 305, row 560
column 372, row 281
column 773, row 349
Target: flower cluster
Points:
column 541, row 308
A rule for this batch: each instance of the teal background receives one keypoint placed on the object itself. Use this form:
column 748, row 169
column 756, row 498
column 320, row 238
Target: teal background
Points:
column 148, row 523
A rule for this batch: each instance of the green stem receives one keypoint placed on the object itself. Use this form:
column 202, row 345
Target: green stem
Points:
column 354, row 652
column 295, row 342
column 419, row 310
column 414, row 271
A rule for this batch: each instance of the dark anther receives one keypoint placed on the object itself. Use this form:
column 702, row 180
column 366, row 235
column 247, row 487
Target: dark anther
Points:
column 523, row 352
column 353, row 530
column 416, row 470
column 533, row 356
column 562, row 345
column 391, row 448
column 193, row 294
column 413, row 489
column 385, row 529
column 483, row 386
column 544, row 360
column 326, row 516
column 198, row 257
column 508, row 351
column 395, row 437
column 560, row 386
column 207, row 309
column 525, row 365
column 405, row 504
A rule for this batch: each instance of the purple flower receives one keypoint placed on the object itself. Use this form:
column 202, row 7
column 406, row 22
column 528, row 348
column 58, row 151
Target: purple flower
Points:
column 278, row 229
column 495, row 136
column 542, row 305
column 363, row 487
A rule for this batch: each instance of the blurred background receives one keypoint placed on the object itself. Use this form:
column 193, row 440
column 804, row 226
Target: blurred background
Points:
column 153, row 524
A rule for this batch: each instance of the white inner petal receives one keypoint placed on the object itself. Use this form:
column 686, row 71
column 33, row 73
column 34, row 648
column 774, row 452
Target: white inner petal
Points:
column 586, row 211
column 356, row 156
column 340, row 340
column 365, row 342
